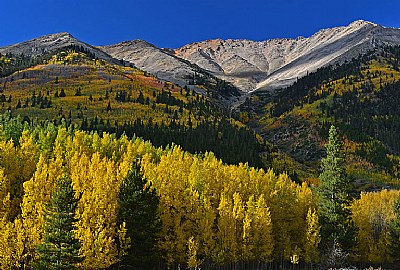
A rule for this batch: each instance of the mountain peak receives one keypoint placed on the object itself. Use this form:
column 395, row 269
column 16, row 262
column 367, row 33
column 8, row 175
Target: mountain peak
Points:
column 62, row 34
column 51, row 43
column 130, row 43
column 362, row 23
column 277, row 63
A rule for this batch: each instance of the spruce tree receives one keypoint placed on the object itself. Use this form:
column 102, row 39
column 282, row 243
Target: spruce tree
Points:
column 138, row 208
column 60, row 247
column 395, row 231
column 334, row 201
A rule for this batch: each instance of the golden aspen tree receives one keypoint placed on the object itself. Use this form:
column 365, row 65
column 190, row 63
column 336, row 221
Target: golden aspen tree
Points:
column 28, row 154
column 248, row 234
column 11, row 244
column 96, row 214
column 193, row 261
column 263, row 241
column 285, row 216
column 238, row 215
column 178, row 202
column 124, row 241
column 37, row 192
column 5, row 206
column 11, row 180
column 206, row 228
column 212, row 171
column 312, row 237
column 6, row 244
column 226, row 236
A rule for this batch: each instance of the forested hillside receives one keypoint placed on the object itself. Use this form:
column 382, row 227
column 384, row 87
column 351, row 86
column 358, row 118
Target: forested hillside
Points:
column 360, row 97
column 71, row 85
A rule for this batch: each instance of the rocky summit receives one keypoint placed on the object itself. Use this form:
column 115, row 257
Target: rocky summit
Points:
column 276, row 63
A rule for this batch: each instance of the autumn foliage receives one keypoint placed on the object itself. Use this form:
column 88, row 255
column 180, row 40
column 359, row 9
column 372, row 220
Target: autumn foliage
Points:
column 210, row 213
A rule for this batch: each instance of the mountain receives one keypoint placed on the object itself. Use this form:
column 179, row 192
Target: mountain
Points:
column 342, row 76
column 247, row 65
column 166, row 66
column 50, row 43
column 277, row 63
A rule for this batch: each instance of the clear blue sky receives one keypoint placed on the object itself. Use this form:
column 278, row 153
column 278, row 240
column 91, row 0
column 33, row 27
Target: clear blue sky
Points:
column 173, row 23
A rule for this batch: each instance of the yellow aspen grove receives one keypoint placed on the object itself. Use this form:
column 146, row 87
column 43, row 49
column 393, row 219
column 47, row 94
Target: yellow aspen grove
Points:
column 211, row 213
column 373, row 214
column 257, row 231
column 257, row 215
column 7, row 243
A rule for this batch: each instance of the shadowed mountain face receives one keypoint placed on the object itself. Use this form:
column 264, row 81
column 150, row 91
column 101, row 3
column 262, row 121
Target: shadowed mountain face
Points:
column 277, row 63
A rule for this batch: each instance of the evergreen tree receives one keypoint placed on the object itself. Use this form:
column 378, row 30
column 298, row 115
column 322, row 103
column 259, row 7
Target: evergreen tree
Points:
column 62, row 93
column 60, row 247
column 395, row 231
column 337, row 230
column 138, row 208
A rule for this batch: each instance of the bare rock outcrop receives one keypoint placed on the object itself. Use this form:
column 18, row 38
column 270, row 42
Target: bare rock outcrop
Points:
column 276, row 63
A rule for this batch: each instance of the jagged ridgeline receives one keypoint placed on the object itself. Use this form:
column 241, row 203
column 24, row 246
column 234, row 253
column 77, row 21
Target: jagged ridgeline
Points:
column 71, row 83
column 360, row 97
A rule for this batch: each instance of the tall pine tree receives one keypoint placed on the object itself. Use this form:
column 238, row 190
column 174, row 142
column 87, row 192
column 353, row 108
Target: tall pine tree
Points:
column 60, row 247
column 138, row 208
column 334, row 200
column 395, row 231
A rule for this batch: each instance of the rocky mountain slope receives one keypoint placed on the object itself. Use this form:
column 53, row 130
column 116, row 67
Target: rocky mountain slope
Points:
column 50, row 43
column 277, row 63
column 163, row 64
column 153, row 60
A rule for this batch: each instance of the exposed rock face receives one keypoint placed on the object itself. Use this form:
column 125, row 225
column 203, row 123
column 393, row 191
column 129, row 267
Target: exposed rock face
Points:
column 159, row 62
column 50, row 43
column 276, row 63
